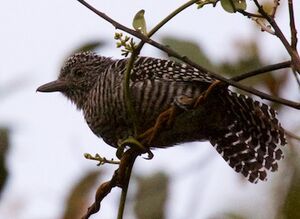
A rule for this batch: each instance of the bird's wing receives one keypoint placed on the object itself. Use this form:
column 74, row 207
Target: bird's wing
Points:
column 161, row 69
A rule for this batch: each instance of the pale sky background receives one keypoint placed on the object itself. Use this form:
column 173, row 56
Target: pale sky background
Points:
column 49, row 137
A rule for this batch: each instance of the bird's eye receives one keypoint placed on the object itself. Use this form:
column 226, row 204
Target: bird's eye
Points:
column 78, row 73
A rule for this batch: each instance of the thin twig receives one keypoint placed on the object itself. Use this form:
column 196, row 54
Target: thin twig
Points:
column 262, row 70
column 173, row 53
column 294, row 39
column 167, row 19
column 101, row 160
column 297, row 78
column 276, row 28
column 249, row 15
column 263, row 26
column 292, row 52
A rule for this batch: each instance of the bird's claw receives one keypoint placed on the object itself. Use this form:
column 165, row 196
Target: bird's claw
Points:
column 133, row 143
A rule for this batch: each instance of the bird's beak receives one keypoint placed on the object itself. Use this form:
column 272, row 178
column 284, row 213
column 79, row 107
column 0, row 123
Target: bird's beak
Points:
column 53, row 86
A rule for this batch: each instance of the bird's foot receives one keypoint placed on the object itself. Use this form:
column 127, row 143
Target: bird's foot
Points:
column 200, row 100
column 135, row 144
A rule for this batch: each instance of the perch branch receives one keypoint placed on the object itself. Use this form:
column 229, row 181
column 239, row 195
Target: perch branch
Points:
column 120, row 178
column 102, row 191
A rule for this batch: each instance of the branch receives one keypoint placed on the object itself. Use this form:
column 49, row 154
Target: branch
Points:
column 262, row 70
column 293, row 52
column 297, row 78
column 167, row 19
column 276, row 28
column 264, row 27
column 172, row 53
column 294, row 39
column 102, row 191
column 120, row 178
column 249, row 15
column 101, row 160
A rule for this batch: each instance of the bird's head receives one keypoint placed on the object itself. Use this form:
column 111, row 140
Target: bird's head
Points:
column 77, row 76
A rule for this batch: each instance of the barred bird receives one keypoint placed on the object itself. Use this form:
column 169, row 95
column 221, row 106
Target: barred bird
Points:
column 245, row 132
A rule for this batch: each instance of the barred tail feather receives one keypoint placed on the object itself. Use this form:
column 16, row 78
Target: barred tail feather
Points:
column 251, row 144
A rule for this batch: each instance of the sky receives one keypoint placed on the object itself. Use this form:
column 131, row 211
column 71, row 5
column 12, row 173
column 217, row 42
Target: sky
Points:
column 48, row 135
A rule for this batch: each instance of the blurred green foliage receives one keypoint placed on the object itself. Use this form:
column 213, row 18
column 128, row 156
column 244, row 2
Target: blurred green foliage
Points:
column 151, row 196
column 4, row 145
column 79, row 198
column 292, row 202
column 89, row 46
column 190, row 49
column 250, row 59
column 229, row 215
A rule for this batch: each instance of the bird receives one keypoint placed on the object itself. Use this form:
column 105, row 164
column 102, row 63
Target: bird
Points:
column 173, row 103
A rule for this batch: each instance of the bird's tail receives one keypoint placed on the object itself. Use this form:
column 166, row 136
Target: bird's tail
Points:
column 251, row 143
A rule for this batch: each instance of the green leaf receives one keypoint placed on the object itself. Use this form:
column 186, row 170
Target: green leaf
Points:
column 139, row 23
column 232, row 6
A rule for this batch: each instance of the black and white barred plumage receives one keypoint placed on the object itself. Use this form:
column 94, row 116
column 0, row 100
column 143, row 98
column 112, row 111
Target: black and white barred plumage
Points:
column 245, row 132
